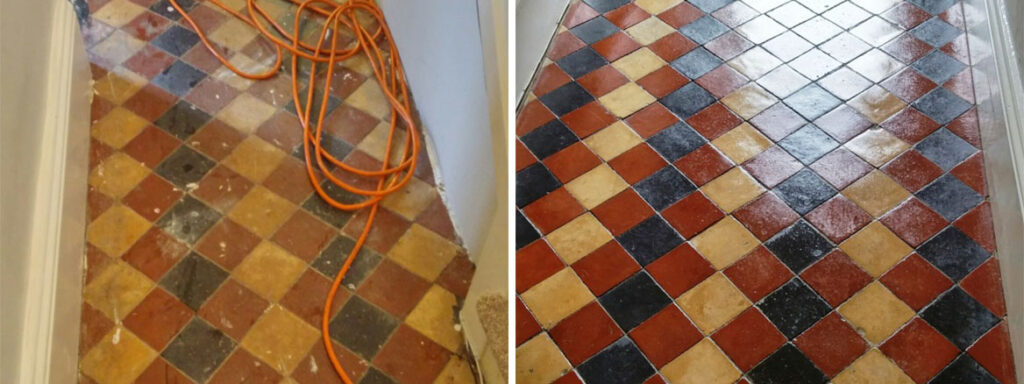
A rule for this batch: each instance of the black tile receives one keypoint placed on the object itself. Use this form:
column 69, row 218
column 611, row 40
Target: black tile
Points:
column 676, row 141
column 179, row 78
column 703, row 29
column 318, row 99
column 361, row 327
column 649, row 240
column 594, row 30
column 945, row 149
column 164, row 8
column 634, row 301
column 334, row 146
column 808, row 144
column 812, row 101
column 799, row 246
column 566, row 98
column 934, row 7
column 548, row 139
column 787, row 366
column 581, row 62
column 176, row 40
column 804, row 191
column 794, row 307
column 188, row 219
column 941, row 105
column 193, row 280
column 664, row 187
column 184, row 166
column 935, row 32
column 198, row 350
column 949, row 196
column 964, row 370
column 525, row 232
column 375, row 376
column 709, row 6
column 688, row 100
column 959, row 317
column 325, row 211
column 953, row 253
column 938, row 67
column 696, row 63
column 603, row 6
column 619, row 363
column 534, row 182
column 331, row 259
column 182, row 120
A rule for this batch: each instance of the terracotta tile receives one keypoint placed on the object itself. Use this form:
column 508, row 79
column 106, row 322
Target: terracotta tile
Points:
column 758, row 274
column 151, row 146
column 972, row 173
column 539, row 360
column 588, row 119
column 222, row 188
column 526, row 326
column 94, row 326
column 841, row 167
column 772, row 166
column 831, row 344
column 671, row 46
column 605, row 267
column 836, row 277
column 216, row 139
column 563, row 44
column 227, row 243
column 914, row 222
column 713, row 121
column 619, row 213
column 457, row 276
column 912, row 170
column 679, row 15
column 158, row 318
column 876, row 312
column 662, row 81
column 549, row 78
column 211, row 95
column 679, row 270
column 409, row 356
column 703, row 164
column 531, row 116
column 307, row 297
column 242, row 366
column 722, row 81
column 637, row 163
column 354, row 366
column 905, row 349
column 692, row 214
column 910, row 125
column 572, row 162
column 159, row 371
column 615, row 46
column 303, row 235
column 916, row 282
column 651, row 120
column 703, row 363
column 152, row 197
column 906, row 15
column 984, row 284
column 534, row 263
column 553, row 210
column 393, row 288
column 977, row 223
column 585, row 333
column 993, row 352
column 749, row 338
column 838, row 218
column 436, row 218
column 665, row 335
column 766, row 216
column 523, row 156
column 290, row 181
column 966, row 126
column 908, row 85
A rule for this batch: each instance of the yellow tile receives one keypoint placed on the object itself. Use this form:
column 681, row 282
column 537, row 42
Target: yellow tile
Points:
column 118, row 86
column 539, row 361
column 117, row 175
column 724, row 242
column 118, row 127
column 557, row 297
column 117, row 290
column 749, row 100
column 578, row 238
column 612, row 141
column 873, row 367
column 638, row 64
column 703, row 363
column 713, row 303
column 254, row 158
column 246, row 113
column 649, row 31
column 244, row 63
column 114, row 231
column 877, row 104
column 625, row 100
column 597, row 185
column 269, row 271
column 280, row 338
column 411, row 200
column 875, row 312
column 117, row 13
column 370, row 98
column 742, row 143
column 117, row 47
column 457, row 371
column 262, row 211
column 876, row 193
column 875, row 248
column 655, row 7
column 877, row 146
column 376, row 143
column 434, row 317
column 733, row 189
column 119, row 358
column 754, row 63
column 233, row 34
column 423, row 252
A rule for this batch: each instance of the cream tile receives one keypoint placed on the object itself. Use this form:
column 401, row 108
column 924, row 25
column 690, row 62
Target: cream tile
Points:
column 244, row 63
column 435, row 316
column 724, row 242
column 246, row 113
column 749, row 100
column 877, row 146
column 118, row 85
column 703, row 363
column 875, row 312
column 655, row 7
column 742, row 143
column 261, row 211
column 375, row 143
column 875, row 248
column 117, row 175
column 457, row 371
column 597, row 185
column 638, row 64
column 118, row 127
column 754, row 63
column 117, row 290
column 423, row 252
column 876, row 193
column 578, row 238
column 269, row 271
column 872, row 367
column 539, row 361
column 370, row 98
column 280, row 338
column 625, row 100
column 612, row 141
column 877, row 104
column 117, row 13
column 119, row 358
column 732, row 190
column 557, row 297
column 255, row 159
column 411, row 200
column 713, row 303
column 114, row 231
column 234, row 34
column 649, row 31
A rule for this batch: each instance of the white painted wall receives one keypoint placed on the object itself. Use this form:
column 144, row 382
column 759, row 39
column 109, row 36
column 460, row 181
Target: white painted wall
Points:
column 536, row 22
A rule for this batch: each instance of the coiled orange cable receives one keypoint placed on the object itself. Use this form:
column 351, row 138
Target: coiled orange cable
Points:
column 387, row 68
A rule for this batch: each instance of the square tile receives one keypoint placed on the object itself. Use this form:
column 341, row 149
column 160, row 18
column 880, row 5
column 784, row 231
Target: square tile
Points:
column 787, row 365
column 692, row 214
column 765, row 216
column 838, row 218
column 120, row 361
column 596, row 186
column 176, row 40
column 198, row 350
column 638, row 64
column 118, row 127
column 875, row 65
column 811, row 101
column 423, row 252
column 732, row 190
column 831, row 344
column 676, row 141
column 877, row 104
column 845, row 47
column 637, row 163
column 799, row 246
column 748, row 339
column 703, row 363
column 749, row 100
column 601, row 81
column 843, row 123
column 649, row 31
column 269, row 271
column 581, row 62
column 872, row 366
column 844, row 83
column 665, row 336
column 649, row 240
column 758, row 274
column 634, row 301
column 938, row 67
column 361, row 327
column 703, row 29
column 626, row 100
column 953, row 252
column 741, row 143
column 836, row 277
column 664, row 187
column 182, row 120
column 696, row 63
column 184, row 167
column 959, row 317
column 722, row 81
column 728, row 45
column 612, row 141
column 552, row 211
column 117, row 290
column 688, row 100
column 754, row 63
column 876, row 193
column 794, row 307
column 808, row 144
column 783, row 81
column 585, row 333
column 621, row 362
column 602, row 269
column 557, row 297
column 945, row 149
column 877, row 146
column 804, row 191
column 117, row 175
column 548, row 139
column 713, row 303
column 233, row 309
column 965, row 368
column 566, row 98
column 760, row 29
column 914, row 222
column 532, row 183
column 817, row 30
column 679, row 270
column 662, row 81
column 724, row 242
column 950, row 197
column 280, row 338
column 920, row 364
column 814, row 64
column 876, row 312
column 875, row 248
column 788, row 45
column 262, row 211
column 714, row 121
column 188, row 220
column 916, row 282
column 193, row 280
column 841, row 167
column 179, row 78
column 540, row 360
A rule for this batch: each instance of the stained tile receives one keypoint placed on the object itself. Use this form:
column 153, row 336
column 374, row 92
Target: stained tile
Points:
column 280, row 338
column 787, row 365
column 182, row 120
column 198, row 350
column 188, row 220
column 117, row 290
column 179, row 78
column 703, row 29
column 121, row 361
column 539, row 360
column 184, row 166
column 362, row 327
column 233, row 309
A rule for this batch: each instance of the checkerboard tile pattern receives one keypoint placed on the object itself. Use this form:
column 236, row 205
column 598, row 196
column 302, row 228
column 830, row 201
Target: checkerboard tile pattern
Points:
column 778, row 191
column 209, row 254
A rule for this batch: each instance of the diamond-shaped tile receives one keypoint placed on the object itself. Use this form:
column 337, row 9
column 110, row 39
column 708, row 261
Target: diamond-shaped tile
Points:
column 602, row 269
column 814, row 64
column 758, row 274
column 841, row 167
column 626, row 100
column 566, row 98
column 749, row 100
column 914, row 222
column 877, row 104
column 622, row 362
column 787, row 365
column 665, row 335
column 831, row 344
column 696, row 63
column 875, row 65
column 877, row 146
column 836, row 277
column 921, row 364
column 704, row 363
column 585, row 333
column 873, row 366
column 876, row 193
column 724, row 243
column 679, row 270
column 198, row 350
column 594, row 30
column 875, row 248
column 748, row 339
column 954, row 253
column 804, row 191
column 938, row 67
column 799, row 246
column 556, row 297
column 713, row 303
column 959, row 317
column 838, row 218
column 965, row 369
column 692, row 214
column 766, row 215
column 676, row 141
column 649, row 240
column 950, row 197
column 634, row 301
column 916, row 282
column 578, row 238
column 945, row 149
column 812, row 101
column 941, row 105
column 703, row 29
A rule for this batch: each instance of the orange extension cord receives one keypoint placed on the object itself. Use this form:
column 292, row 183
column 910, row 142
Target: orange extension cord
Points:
column 387, row 68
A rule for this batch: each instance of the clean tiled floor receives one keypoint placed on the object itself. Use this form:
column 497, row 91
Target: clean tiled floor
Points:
column 763, row 191
column 209, row 255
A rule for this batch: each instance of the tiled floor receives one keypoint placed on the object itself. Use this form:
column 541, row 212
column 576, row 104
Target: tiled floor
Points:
column 210, row 255
column 763, row 191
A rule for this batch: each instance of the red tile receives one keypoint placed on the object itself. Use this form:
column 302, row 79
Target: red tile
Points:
column 703, row 164
column 651, row 120
column 679, row 270
column 393, row 288
column 577, row 14
column 831, row 344
column 656, row 379
column 94, row 326
column 457, row 276
column 714, row 121
column 626, row 16
column 637, row 163
column 306, row 297
column 290, row 180
column 662, row 81
column 910, row 125
column 778, row 121
column 526, row 326
column 146, row 26
column 906, row 15
column 915, row 281
column 150, row 102
column 218, row 139
column 222, row 188
column 524, row 158
column 615, row 46
column 571, row 162
column 233, row 309
column 680, row 15
column 962, row 84
column 212, row 95
column 548, row 79
column 227, row 244
column 158, row 318
column 531, row 116
column 843, row 123
column 588, row 119
column 534, row 263
column 563, row 44
column 304, row 236
column 841, row 167
column 749, row 338
column 972, row 173
column 722, row 81
column 772, row 166
column 908, row 85
column 152, row 197
column 553, row 210
column 993, row 352
column 978, row 225
column 605, row 268
column 914, row 222
column 838, row 218
column 906, row 48
column 966, row 126
column 985, row 285
column 672, row 46
column 159, row 371
column 585, row 333
column 729, row 45
column 155, row 253
column 836, row 277
column 665, row 336
column 958, row 49
column 149, row 61
column 602, row 80
column 906, row 349
column 620, row 213
column 570, row 377
column 692, row 214
column 758, row 274
column 410, row 357
column 912, row 170
column 766, row 216
column 243, row 367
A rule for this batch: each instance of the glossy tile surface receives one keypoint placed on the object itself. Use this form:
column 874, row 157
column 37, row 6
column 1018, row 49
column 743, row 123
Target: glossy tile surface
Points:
column 785, row 191
column 209, row 254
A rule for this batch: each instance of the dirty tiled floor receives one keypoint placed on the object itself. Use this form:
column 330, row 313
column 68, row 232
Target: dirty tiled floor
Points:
column 209, row 255
column 766, row 191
